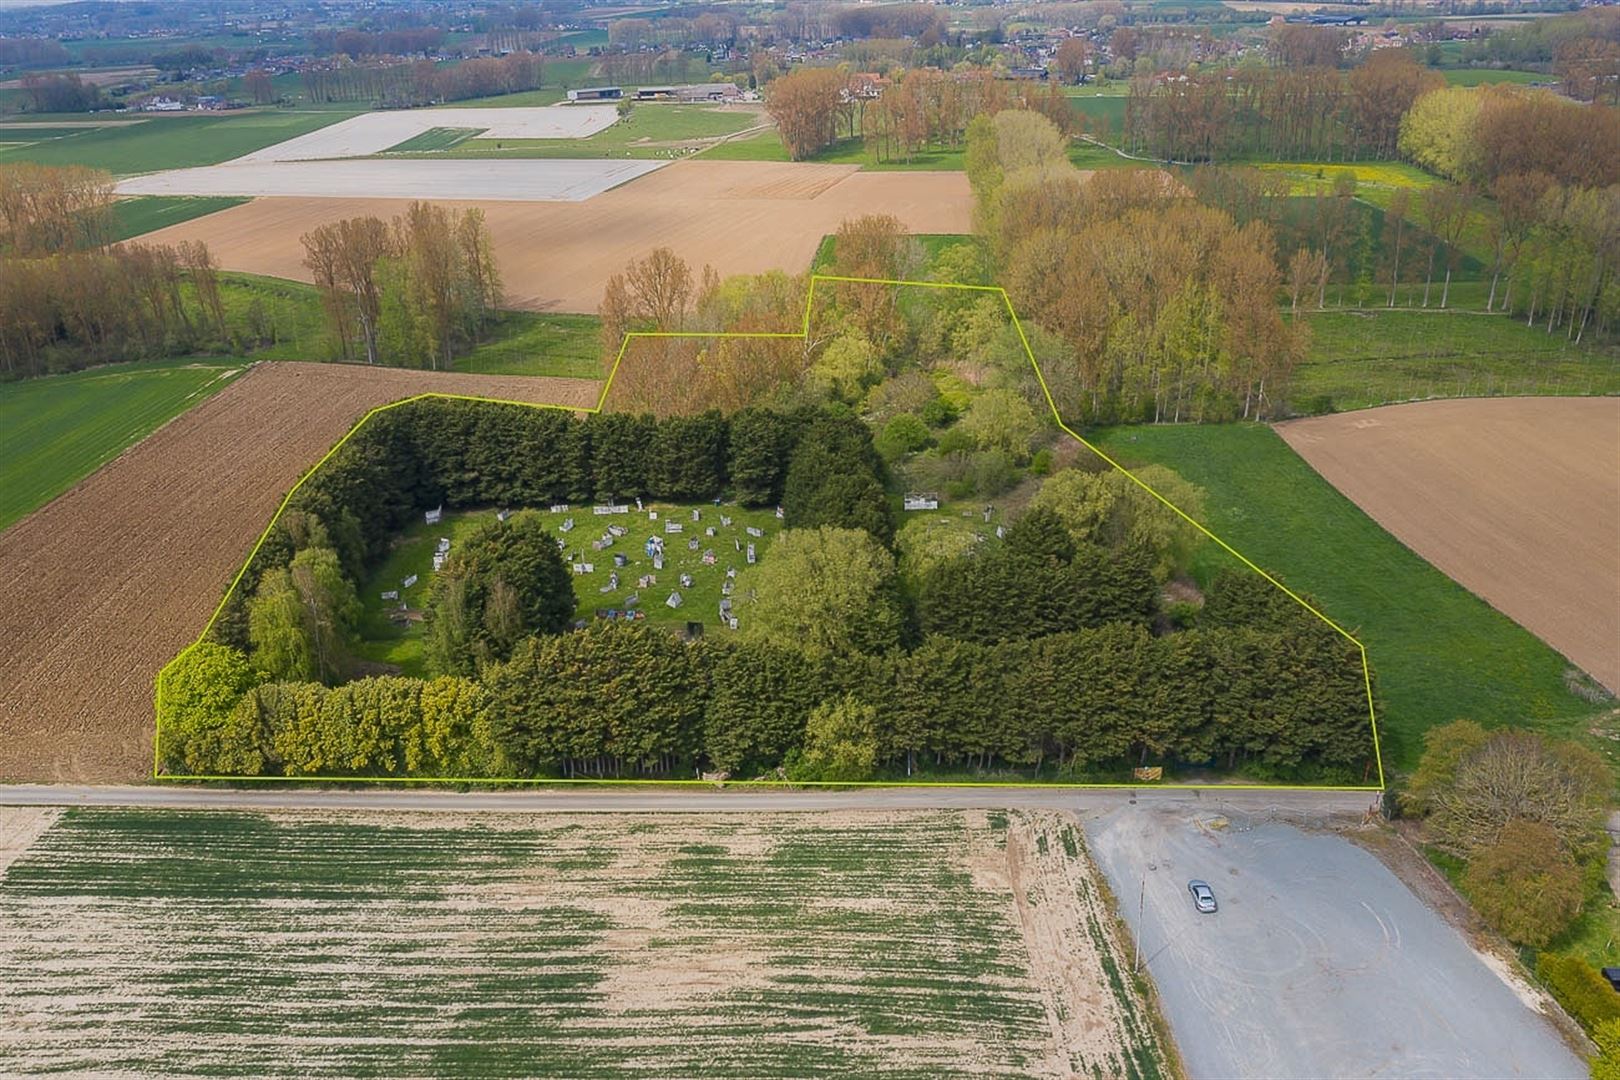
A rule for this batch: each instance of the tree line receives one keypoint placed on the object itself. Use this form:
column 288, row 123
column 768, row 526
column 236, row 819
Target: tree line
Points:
column 70, row 298
column 920, row 109
column 407, row 292
column 396, row 82
column 622, row 699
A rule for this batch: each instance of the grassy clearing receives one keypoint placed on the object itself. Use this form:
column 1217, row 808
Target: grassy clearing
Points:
column 57, row 430
column 590, row 946
column 650, row 131
column 536, row 343
column 1487, row 76
column 1308, row 177
column 148, row 213
column 1438, row 651
column 1360, row 359
column 175, row 142
column 385, row 642
column 439, row 138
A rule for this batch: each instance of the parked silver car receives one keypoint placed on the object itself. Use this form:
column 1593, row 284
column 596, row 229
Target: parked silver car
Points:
column 1203, row 896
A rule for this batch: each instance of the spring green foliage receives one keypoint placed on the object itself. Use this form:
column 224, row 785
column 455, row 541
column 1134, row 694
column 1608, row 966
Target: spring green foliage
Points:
column 1526, row 884
column 840, row 742
column 823, row 591
column 1108, row 508
column 1584, row 993
column 1606, row 1066
column 502, row 584
column 1002, row 420
column 197, row 694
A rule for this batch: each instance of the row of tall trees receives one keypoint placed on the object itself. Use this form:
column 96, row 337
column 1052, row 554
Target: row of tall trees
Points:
column 919, row 109
column 69, row 298
column 1289, row 112
column 396, row 82
column 406, row 292
column 1480, row 134
column 621, row 699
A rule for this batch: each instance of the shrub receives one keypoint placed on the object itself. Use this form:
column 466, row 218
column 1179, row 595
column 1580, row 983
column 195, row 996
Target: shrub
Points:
column 993, row 473
column 938, row 413
column 1584, row 994
column 903, row 435
column 840, row 742
column 196, row 702
column 1526, row 885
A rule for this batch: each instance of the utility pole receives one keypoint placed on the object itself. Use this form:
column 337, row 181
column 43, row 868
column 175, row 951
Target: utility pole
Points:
column 1141, row 907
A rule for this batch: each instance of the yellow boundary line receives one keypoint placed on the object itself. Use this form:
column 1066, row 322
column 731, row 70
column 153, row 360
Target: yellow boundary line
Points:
column 803, row 334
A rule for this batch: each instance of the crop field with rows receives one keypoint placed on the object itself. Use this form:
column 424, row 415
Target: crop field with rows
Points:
column 926, row 944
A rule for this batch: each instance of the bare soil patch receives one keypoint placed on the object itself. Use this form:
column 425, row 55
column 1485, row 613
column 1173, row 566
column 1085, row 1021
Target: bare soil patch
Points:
column 1517, row 499
column 102, row 587
column 741, row 217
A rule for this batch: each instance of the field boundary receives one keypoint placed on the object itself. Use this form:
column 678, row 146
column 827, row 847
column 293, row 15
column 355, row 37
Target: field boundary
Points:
column 802, row 334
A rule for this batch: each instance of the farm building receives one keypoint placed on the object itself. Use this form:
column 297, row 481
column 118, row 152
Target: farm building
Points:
column 596, row 93
column 693, row 92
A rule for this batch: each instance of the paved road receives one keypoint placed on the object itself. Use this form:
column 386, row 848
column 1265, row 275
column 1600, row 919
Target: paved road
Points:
column 1319, row 963
column 1313, row 804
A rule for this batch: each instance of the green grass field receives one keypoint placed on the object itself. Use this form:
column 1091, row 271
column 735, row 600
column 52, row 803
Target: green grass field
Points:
column 1438, row 651
column 538, row 343
column 148, row 213
column 175, row 142
column 434, row 139
column 646, row 133
column 215, row 944
column 57, row 430
column 1488, row 76
column 1360, row 359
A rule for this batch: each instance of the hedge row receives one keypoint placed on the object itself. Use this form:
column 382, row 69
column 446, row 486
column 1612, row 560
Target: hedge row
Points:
column 628, row 699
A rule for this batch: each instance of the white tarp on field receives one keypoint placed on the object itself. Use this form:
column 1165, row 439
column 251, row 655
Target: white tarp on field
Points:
column 374, row 132
column 517, row 180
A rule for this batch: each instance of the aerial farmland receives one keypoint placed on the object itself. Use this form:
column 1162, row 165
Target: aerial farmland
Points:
column 808, row 540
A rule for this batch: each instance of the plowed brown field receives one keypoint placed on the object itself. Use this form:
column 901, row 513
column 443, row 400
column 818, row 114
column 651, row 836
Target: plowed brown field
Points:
column 1517, row 499
column 102, row 587
column 741, row 217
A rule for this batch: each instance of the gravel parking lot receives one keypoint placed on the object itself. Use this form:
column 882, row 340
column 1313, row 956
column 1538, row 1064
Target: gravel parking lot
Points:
column 1320, row 962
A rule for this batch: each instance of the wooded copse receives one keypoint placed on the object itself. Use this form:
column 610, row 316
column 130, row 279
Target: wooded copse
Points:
column 840, row 670
column 1166, row 309
column 406, row 292
column 920, row 109
column 396, row 81
column 69, row 298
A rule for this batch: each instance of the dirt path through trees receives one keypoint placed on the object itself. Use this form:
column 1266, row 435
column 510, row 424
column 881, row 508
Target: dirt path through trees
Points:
column 99, row 589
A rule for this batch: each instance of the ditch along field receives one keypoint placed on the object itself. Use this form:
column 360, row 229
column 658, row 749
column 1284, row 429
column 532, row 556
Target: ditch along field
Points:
column 902, row 944
column 103, row 586
column 741, row 217
column 1518, row 500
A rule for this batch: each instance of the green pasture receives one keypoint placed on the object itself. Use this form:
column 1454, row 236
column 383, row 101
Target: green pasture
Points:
column 539, row 946
column 538, row 343
column 648, row 132
column 434, row 139
column 175, row 142
column 1376, row 356
column 148, row 213
column 56, row 430
column 1438, row 652
column 1489, row 76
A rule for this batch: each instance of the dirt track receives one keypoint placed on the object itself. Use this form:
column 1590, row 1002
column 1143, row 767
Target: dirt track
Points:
column 741, row 217
column 1517, row 499
column 103, row 586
